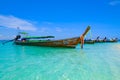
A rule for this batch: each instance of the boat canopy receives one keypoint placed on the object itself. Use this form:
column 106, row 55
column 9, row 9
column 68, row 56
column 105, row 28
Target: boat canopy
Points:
column 38, row 37
column 25, row 33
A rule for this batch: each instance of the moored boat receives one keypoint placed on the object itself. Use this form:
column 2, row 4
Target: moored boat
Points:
column 69, row 42
column 89, row 41
column 106, row 40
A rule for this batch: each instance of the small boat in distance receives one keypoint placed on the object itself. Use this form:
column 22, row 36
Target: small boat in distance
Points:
column 105, row 40
column 69, row 42
column 89, row 41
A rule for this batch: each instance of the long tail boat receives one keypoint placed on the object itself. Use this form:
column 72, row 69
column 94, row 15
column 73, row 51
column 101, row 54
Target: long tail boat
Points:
column 69, row 42
column 105, row 40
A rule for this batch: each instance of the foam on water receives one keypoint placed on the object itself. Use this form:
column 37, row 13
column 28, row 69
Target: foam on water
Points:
column 95, row 62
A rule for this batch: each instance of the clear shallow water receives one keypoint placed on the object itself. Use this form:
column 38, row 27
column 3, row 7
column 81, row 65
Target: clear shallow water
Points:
column 94, row 62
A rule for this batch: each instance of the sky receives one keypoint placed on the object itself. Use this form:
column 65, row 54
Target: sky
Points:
column 60, row 18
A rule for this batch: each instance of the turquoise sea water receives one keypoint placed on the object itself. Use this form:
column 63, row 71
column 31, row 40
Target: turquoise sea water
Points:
column 99, row 61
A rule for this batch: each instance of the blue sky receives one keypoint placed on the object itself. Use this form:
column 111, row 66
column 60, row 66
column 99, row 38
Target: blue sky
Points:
column 61, row 18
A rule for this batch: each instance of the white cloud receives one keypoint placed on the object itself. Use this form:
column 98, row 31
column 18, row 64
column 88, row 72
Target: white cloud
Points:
column 58, row 29
column 14, row 22
column 44, row 29
column 113, row 3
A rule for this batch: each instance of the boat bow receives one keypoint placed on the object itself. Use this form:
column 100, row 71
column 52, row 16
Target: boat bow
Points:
column 83, row 35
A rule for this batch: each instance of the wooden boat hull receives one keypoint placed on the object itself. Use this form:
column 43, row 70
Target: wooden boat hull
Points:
column 69, row 43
